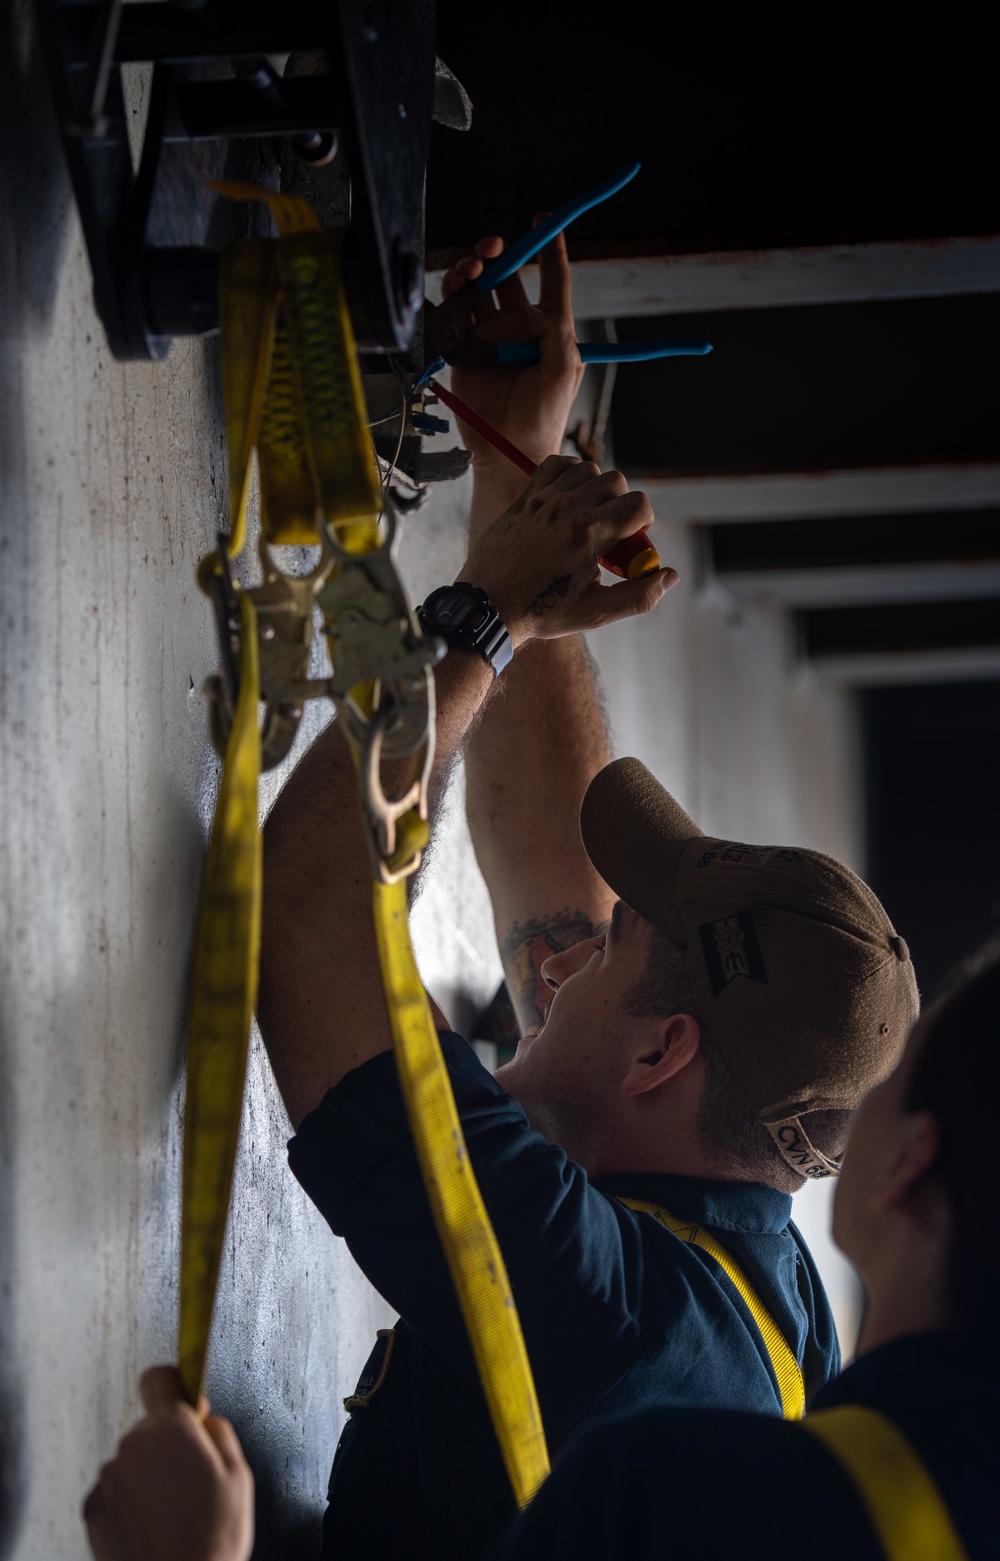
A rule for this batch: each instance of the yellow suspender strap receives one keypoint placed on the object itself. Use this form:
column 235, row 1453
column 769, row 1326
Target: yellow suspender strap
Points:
column 902, row 1501
column 293, row 394
column 786, row 1367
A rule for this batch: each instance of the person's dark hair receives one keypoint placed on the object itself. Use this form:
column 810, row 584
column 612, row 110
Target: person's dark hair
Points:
column 730, row 1129
column 956, row 1077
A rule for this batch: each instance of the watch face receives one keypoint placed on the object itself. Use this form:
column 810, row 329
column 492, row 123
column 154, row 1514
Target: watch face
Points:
column 463, row 616
column 458, row 611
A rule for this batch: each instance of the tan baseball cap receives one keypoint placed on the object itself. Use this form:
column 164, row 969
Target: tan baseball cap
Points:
column 803, row 984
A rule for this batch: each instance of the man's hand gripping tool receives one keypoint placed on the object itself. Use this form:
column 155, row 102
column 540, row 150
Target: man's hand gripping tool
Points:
column 448, row 326
column 449, row 338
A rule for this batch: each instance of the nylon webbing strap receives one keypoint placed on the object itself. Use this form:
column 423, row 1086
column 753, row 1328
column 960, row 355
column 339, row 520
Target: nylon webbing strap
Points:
column 293, row 395
column 903, row 1502
column 474, row 1258
column 223, row 992
column 786, row 1367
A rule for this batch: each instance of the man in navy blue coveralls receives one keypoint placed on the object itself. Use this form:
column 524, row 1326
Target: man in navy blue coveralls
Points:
column 699, row 1019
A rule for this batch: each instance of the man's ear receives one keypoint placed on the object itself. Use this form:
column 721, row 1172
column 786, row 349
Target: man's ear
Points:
column 917, row 1152
column 673, row 1044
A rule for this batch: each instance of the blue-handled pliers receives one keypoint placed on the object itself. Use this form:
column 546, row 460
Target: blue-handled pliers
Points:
column 448, row 326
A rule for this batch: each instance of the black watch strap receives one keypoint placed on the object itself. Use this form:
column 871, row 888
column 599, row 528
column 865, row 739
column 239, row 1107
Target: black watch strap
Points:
column 463, row 616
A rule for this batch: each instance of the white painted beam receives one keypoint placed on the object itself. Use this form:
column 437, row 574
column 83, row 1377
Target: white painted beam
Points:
column 777, row 278
column 861, row 586
column 933, row 666
column 800, row 495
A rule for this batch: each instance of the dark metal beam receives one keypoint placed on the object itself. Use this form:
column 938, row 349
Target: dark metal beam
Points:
column 169, row 35
column 229, row 109
column 901, row 627
column 847, row 541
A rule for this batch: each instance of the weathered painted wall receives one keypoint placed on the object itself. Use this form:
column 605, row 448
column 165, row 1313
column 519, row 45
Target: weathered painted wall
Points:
column 111, row 484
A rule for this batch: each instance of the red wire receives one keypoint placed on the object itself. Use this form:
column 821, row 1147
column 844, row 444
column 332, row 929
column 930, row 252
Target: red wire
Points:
column 492, row 435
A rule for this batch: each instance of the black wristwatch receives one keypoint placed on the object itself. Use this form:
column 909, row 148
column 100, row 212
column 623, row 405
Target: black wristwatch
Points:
column 463, row 615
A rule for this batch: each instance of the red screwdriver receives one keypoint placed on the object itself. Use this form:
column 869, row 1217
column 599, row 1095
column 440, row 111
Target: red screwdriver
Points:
column 631, row 559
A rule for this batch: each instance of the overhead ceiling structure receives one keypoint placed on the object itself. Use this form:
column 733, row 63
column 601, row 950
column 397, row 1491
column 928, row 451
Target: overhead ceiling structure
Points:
column 887, row 546
column 824, row 210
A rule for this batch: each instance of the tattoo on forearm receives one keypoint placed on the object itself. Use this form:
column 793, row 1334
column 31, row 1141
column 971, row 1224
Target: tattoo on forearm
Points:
column 547, row 599
column 524, row 950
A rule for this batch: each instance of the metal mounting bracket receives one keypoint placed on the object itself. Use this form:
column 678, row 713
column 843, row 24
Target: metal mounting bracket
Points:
column 152, row 232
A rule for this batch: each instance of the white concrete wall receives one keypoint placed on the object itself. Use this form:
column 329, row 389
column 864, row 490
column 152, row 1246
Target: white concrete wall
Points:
column 111, row 486
column 111, row 483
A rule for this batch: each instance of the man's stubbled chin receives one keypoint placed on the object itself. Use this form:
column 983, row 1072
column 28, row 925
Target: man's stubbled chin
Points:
column 529, row 1036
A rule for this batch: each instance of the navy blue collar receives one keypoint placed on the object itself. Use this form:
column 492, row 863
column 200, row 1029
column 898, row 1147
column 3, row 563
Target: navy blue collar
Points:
column 748, row 1208
column 921, row 1370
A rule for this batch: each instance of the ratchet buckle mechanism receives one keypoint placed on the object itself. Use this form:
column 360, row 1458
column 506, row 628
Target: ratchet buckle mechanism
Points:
column 292, row 392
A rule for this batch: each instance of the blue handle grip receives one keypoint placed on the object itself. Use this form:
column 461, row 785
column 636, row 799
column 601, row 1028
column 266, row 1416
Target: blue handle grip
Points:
column 511, row 352
column 516, row 256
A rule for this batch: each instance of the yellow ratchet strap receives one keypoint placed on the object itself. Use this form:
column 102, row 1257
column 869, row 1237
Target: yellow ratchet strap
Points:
column 223, row 992
column 903, row 1502
column 786, row 1367
column 293, row 395
column 477, row 1267
column 260, row 286
column 291, row 382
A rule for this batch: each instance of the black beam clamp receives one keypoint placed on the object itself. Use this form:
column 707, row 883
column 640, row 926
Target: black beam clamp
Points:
column 153, row 231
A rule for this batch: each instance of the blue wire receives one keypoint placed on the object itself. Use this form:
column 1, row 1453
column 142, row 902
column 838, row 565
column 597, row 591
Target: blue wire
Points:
column 511, row 352
column 427, row 373
column 506, row 264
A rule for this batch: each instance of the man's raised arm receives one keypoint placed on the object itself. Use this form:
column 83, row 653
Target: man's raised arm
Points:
column 538, row 745
column 528, row 765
